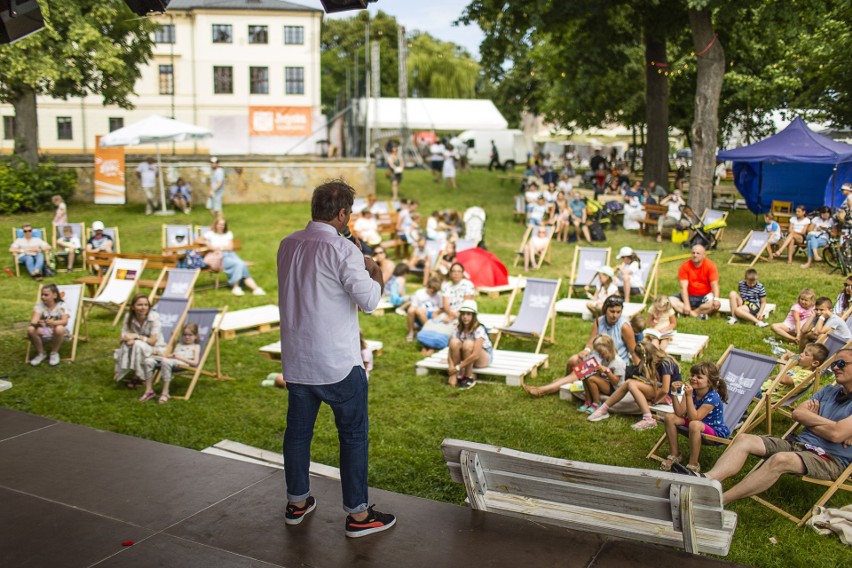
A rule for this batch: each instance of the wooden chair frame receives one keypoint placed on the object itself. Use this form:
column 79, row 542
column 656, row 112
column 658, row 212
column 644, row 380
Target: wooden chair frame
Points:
column 83, row 237
column 75, row 332
column 545, row 255
column 755, row 258
column 551, row 319
column 102, row 286
column 724, row 218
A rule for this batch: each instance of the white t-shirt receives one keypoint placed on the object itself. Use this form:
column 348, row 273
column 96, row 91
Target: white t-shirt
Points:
column 636, row 280
column 457, row 292
column 368, row 229
column 432, row 229
column 219, row 240
column 799, row 226
column 537, row 212
column 147, row 174
column 422, row 299
column 841, row 330
column 674, row 208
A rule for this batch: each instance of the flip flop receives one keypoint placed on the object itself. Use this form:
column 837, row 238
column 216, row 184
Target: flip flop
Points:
column 147, row 396
column 164, row 398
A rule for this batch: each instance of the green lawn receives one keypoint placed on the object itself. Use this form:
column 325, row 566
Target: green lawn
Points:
column 410, row 414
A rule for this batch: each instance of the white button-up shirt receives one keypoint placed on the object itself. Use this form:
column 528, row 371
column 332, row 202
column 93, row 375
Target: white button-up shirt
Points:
column 321, row 283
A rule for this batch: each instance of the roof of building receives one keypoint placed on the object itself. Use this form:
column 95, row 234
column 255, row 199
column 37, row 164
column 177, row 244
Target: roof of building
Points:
column 240, row 5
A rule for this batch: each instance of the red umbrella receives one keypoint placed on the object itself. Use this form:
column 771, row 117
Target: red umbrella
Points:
column 483, row 267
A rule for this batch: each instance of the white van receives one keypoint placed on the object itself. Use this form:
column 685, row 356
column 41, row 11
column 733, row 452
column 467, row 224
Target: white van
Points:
column 512, row 147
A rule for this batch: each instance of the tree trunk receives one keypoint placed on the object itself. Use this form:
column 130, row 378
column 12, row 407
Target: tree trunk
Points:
column 705, row 126
column 656, row 157
column 26, row 126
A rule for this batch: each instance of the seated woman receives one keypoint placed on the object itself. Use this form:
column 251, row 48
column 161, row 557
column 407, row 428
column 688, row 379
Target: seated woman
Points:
column 535, row 247
column 633, row 212
column 818, row 234
column 455, row 291
column 447, row 258
column 180, row 196
column 673, row 214
column 796, row 233
column 140, row 338
column 380, row 255
column 48, row 325
column 221, row 256
column 470, row 347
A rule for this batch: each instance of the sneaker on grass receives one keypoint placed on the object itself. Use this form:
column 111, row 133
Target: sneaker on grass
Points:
column 53, row 360
column 598, row 415
column 732, row 320
column 38, row 359
column 645, row 424
column 400, row 311
column 375, row 522
column 295, row 515
column 761, row 323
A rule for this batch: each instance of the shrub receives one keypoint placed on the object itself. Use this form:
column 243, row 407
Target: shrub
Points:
column 25, row 189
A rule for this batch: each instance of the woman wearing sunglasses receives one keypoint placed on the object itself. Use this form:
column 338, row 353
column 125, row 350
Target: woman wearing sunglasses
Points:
column 29, row 250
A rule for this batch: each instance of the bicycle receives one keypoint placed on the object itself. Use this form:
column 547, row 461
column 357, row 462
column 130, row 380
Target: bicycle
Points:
column 838, row 253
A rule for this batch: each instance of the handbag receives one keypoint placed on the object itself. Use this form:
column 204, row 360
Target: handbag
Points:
column 213, row 260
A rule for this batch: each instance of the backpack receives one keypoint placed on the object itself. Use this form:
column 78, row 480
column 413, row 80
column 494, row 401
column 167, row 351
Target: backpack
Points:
column 596, row 231
column 193, row 259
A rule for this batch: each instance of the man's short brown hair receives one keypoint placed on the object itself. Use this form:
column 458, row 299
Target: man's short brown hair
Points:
column 329, row 198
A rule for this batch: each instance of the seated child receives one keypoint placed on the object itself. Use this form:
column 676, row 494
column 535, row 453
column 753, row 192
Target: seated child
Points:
column 811, row 357
column 749, row 301
column 638, row 322
column 187, row 354
column 791, row 328
column 470, row 347
column 605, row 288
column 824, row 322
column 609, row 375
column 662, row 322
column 774, row 229
column 47, row 326
column 699, row 409
column 535, row 247
column 395, row 288
column 69, row 245
column 658, row 372
column 426, row 303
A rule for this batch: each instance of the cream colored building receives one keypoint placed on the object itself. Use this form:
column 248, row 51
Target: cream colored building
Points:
column 249, row 70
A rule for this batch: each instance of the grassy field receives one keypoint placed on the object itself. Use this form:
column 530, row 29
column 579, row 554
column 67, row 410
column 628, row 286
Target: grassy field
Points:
column 410, row 414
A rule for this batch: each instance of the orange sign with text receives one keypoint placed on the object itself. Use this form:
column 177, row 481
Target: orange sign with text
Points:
column 279, row 121
column 109, row 175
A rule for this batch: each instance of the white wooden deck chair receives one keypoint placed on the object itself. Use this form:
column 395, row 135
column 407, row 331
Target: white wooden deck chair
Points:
column 18, row 233
column 172, row 312
column 535, row 313
column 72, row 296
column 175, row 282
column 744, row 373
column 751, row 249
column 117, row 287
column 172, row 233
column 495, row 291
column 542, row 257
column 649, row 506
column 584, row 267
column 713, row 215
column 77, row 230
column 649, row 261
column 199, row 230
column 111, row 232
column 207, row 320
column 843, row 482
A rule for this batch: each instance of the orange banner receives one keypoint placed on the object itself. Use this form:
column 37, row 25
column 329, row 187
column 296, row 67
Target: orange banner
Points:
column 279, row 121
column 109, row 175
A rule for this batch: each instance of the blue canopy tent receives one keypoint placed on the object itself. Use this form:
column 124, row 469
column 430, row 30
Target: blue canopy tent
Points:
column 797, row 165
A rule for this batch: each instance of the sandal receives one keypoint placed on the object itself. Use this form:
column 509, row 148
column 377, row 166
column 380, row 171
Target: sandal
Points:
column 668, row 462
column 694, row 468
column 164, row 398
column 147, row 396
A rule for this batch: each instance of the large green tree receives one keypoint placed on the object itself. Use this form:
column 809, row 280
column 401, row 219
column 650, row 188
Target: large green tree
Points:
column 88, row 47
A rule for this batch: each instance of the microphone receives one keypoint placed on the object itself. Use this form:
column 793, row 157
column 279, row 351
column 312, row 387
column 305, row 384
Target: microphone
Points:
column 347, row 234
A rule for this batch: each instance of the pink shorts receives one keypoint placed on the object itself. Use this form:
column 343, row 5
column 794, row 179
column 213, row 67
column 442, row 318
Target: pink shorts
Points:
column 707, row 429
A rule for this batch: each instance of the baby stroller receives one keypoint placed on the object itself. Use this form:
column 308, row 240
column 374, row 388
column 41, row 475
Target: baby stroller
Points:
column 702, row 234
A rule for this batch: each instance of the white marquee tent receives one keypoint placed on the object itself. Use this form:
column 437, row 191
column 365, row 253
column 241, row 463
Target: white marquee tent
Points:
column 433, row 114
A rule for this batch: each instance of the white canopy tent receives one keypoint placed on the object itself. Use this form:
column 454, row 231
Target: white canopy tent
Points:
column 433, row 114
column 155, row 130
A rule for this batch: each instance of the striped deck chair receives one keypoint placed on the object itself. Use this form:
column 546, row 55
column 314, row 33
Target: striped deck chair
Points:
column 536, row 311
column 72, row 296
column 117, row 287
column 751, row 249
column 77, row 230
column 175, row 282
column 744, row 373
column 207, row 320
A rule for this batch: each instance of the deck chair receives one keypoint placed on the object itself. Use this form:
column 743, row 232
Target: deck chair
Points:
column 713, row 215
column 358, row 205
column 78, row 230
column 117, row 287
column 649, row 260
column 72, row 296
column 465, row 244
column 433, row 253
column 111, row 232
column 584, row 268
column 765, row 408
column 537, row 310
column 744, row 372
column 843, row 482
column 207, row 320
column 172, row 312
column 752, row 248
column 18, row 233
column 175, row 282
column 544, row 256
column 171, row 233
column 382, row 207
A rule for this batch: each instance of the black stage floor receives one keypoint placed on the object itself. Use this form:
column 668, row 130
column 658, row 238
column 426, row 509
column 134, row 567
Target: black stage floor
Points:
column 72, row 496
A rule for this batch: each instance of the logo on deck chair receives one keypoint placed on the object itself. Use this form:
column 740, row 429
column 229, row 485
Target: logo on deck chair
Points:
column 592, row 264
column 168, row 320
column 539, row 301
column 178, row 288
column 739, row 384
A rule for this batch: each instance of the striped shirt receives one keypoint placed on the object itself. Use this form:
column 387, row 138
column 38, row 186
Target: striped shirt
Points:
column 751, row 294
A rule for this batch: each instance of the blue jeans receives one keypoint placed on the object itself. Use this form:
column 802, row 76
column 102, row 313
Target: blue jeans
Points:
column 815, row 242
column 32, row 262
column 234, row 268
column 348, row 401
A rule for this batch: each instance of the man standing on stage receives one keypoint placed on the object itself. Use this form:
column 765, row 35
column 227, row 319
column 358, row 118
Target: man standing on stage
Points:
column 323, row 279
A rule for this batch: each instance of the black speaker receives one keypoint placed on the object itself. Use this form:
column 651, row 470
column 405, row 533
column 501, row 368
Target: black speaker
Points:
column 19, row 18
column 143, row 7
column 343, row 5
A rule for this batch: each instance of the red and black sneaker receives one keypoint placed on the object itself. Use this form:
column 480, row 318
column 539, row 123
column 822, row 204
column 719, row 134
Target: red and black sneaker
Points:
column 375, row 522
column 295, row 515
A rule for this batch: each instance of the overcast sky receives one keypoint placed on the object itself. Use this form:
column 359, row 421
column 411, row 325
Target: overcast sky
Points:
column 433, row 16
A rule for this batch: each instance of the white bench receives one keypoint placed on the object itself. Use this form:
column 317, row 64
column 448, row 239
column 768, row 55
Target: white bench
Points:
column 645, row 505
column 687, row 346
column 577, row 306
column 513, row 365
column 725, row 307
column 495, row 291
column 249, row 321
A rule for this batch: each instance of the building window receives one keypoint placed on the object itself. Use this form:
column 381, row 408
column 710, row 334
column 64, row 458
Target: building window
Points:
column 294, row 80
column 166, row 34
column 223, row 80
column 116, row 122
column 63, row 128
column 222, row 33
column 259, row 80
column 294, row 35
column 8, row 127
column 167, row 80
column 258, row 34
